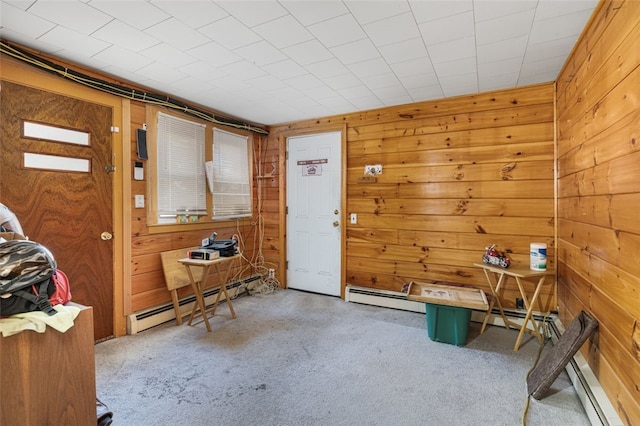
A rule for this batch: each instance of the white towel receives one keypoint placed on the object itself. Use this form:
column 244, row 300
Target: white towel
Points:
column 38, row 321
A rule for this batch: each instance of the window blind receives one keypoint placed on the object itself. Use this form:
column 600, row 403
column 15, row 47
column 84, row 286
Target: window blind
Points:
column 231, row 186
column 181, row 175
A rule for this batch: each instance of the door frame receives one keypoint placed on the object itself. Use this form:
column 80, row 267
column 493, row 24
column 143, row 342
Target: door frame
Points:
column 15, row 71
column 282, row 148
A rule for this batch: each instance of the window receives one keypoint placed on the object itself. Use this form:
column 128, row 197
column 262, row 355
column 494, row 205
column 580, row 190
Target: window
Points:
column 181, row 175
column 231, row 185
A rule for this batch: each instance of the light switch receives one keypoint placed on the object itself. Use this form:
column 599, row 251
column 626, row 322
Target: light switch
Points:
column 139, row 201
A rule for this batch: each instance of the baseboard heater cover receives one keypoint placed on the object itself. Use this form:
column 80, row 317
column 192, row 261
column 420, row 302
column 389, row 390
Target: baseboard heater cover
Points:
column 152, row 317
column 595, row 402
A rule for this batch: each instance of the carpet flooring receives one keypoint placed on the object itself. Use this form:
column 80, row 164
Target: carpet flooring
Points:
column 296, row 358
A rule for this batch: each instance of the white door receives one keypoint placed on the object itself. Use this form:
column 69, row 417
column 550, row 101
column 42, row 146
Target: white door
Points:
column 314, row 225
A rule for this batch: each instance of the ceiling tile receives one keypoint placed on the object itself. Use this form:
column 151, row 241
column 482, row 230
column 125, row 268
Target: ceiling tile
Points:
column 507, row 66
column 403, row 51
column 138, row 13
column 328, row 68
column 503, row 49
column 343, row 81
column 449, row 28
column 357, row 51
column 74, row 15
column 452, row 50
column 230, row 33
column 498, row 81
column 420, row 80
column 283, row 32
column 386, row 93
column 194, row 13
column 121, row 34
column 23, row 23
column 549, row 49
column 340, row 30
column 243, row 70
column 311, row 12
column 321, row 92
column 251, row 12
column 431, row 10
column 490, row 9
column 304, row 82
column 285, row 69
column 368, row 68
column 426, row 93
column 267, row 82
column 214, row 54
column 355, row 92
column 369, row 11
column 413, row 67
column 177, row 34
column 123, row 58
column 202, row 71
column 382, row 80
column 549, row 9
column 261, row 53
column 459, row 84
column 367, row 103
column 308, row 52
column 456, row 67
column 503, row 28
column 79, row 44
column 558, row 27
column 392, row 30
column 161, row 73
column 168, row 55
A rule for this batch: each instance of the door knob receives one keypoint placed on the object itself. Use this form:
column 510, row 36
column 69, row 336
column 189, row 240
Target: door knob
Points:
column 336, row 211
column 106, row 236
column 336, row 224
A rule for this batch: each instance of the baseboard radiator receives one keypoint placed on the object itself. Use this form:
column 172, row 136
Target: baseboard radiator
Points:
column 595, row 402
column 148, row 318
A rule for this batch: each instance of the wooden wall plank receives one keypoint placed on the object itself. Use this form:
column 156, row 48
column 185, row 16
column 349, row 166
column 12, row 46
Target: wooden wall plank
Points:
column 598, row 110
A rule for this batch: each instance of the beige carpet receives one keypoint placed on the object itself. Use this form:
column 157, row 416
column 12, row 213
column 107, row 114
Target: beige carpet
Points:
column 294, row 358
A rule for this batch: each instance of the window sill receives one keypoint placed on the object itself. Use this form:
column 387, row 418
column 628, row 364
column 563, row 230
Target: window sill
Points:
column 195, row 226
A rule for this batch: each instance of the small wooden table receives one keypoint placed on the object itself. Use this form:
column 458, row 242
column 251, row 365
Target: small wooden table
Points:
column 201, row 285
column 497, row 277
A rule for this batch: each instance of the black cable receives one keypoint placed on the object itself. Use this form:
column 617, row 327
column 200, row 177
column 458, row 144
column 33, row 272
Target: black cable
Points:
column 118, row 90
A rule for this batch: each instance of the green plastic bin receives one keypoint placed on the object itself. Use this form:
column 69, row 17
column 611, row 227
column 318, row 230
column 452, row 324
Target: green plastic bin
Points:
column 448, row 324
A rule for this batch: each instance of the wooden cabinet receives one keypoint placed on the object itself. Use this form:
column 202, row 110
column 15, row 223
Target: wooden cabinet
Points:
column 49, row 378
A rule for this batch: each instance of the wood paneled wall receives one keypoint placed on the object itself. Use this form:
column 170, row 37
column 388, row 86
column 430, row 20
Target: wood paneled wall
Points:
column 458, row 174
column 598, row 107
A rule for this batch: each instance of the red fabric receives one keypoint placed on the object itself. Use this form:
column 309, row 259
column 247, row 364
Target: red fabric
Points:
column 62, row 294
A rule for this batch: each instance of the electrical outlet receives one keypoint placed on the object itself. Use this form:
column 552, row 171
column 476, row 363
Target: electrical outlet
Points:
column 373, row 169
column 139, row 201
column 354, row 218
column 519, row 303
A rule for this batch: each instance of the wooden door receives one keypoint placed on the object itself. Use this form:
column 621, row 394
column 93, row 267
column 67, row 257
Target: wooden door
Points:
column 57, row 185
column 314, row 234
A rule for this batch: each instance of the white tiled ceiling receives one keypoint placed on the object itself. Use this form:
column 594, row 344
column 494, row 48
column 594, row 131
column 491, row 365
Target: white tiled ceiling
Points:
column 271, row 62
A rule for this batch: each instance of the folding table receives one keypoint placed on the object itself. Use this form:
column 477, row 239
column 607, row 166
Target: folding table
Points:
column 200, row 285
column 497, row 278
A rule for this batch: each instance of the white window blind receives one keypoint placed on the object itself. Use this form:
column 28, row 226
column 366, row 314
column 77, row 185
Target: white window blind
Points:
column 231, row 187
column 181, row 175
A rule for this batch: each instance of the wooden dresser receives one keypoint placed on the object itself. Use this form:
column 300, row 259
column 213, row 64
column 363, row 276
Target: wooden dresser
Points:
column 49, row 378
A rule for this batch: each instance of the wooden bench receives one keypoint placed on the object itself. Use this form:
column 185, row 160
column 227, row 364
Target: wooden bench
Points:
column 175, row 276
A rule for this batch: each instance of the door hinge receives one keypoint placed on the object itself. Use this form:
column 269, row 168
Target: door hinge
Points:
column 286, row 265
column 115, row 129
column 286, row 210
column 286, row 155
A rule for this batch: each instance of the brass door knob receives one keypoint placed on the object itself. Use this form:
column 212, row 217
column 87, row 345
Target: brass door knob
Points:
column 336, row 224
